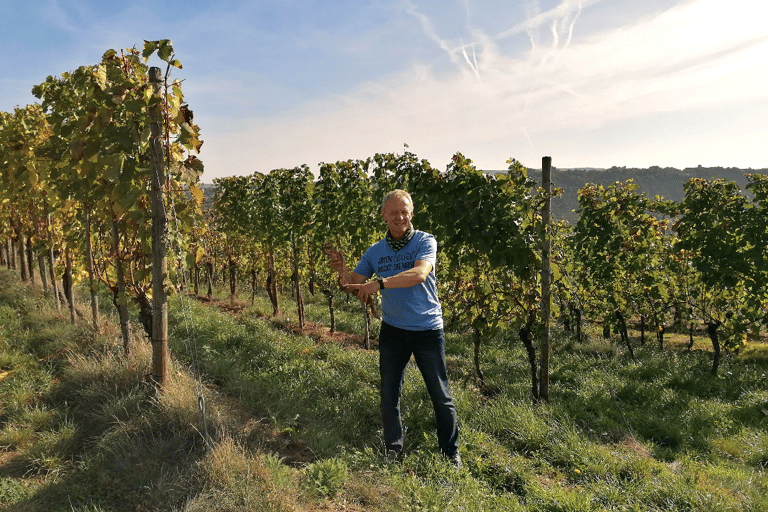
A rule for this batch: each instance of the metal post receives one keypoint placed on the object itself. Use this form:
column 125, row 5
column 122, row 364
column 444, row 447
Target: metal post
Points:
column 546, row 277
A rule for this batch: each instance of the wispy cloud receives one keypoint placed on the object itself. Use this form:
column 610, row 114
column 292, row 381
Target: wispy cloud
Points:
column 427, row 26
column 571, row 25
column 536, row 19
column 560, row 20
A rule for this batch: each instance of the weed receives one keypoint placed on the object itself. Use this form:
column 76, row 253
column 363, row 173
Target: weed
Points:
column 233, row 479
column 11, row 490
column 325, row 477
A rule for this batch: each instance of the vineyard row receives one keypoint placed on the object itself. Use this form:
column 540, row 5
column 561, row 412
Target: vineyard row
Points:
column 75, row 197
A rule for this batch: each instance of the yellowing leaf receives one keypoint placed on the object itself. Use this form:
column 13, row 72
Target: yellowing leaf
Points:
column 100, row 74
column 199, row 255
column 197, row 193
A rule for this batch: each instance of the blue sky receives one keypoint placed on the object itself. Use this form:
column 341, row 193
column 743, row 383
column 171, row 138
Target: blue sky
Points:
column 591, row 83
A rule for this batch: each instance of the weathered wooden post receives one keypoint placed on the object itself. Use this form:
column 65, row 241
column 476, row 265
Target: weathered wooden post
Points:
column 159, row 249
column 546, row 276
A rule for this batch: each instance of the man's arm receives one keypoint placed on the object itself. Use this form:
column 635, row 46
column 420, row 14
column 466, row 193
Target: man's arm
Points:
column 405, row 279
column 346, row 277
column 411, row 277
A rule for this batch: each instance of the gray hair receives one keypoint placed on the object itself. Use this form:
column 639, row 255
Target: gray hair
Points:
column 396, row 193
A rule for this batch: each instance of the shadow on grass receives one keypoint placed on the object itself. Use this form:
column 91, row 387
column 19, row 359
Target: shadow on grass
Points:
column 124, row 448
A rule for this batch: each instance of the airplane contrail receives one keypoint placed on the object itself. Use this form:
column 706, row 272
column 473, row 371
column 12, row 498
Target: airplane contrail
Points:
column 559, row 12
column 570, row 29
column 429, row 29
column 555, row 35
column 472, row 63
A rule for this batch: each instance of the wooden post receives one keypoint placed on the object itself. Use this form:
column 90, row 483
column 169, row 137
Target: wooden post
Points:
column 546, row 277
column 159, row 249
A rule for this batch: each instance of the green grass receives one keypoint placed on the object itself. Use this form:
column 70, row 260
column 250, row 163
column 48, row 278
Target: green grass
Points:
column 293, row 423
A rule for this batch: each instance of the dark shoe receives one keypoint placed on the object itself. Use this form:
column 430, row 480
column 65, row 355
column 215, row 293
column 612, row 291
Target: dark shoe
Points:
column 455, row 459
column 392, row 455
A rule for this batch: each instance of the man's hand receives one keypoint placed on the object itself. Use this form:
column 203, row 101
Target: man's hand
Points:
column 364, row 291
column 351, row 282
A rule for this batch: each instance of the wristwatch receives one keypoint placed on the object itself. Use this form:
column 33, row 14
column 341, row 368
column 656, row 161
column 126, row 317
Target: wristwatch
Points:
column 381, row 283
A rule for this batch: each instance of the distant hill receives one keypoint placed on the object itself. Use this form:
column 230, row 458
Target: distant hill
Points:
column 208, row 193
column 666, row 182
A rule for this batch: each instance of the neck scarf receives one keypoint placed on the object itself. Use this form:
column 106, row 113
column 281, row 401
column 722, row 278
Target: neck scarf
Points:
column 396, row 245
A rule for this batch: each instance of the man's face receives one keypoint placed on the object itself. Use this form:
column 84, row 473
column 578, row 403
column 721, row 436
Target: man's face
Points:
column 397, row 213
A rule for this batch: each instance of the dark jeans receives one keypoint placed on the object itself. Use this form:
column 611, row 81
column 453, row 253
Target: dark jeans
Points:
column 428, row 349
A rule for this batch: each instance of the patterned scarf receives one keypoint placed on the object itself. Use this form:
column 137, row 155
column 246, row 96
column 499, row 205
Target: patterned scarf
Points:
column 396, row 245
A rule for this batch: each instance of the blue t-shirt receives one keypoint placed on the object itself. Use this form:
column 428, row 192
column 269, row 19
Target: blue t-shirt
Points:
column 416, row 308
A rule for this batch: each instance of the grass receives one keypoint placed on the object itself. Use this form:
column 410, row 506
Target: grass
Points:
column 257, row 417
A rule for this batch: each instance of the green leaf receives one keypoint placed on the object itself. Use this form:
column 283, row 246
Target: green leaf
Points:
column 556, row 273
column 498, row 259
column 149, row 49
column 113, row 173
column 165, row 50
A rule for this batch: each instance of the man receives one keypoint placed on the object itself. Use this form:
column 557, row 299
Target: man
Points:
column 412, row 320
